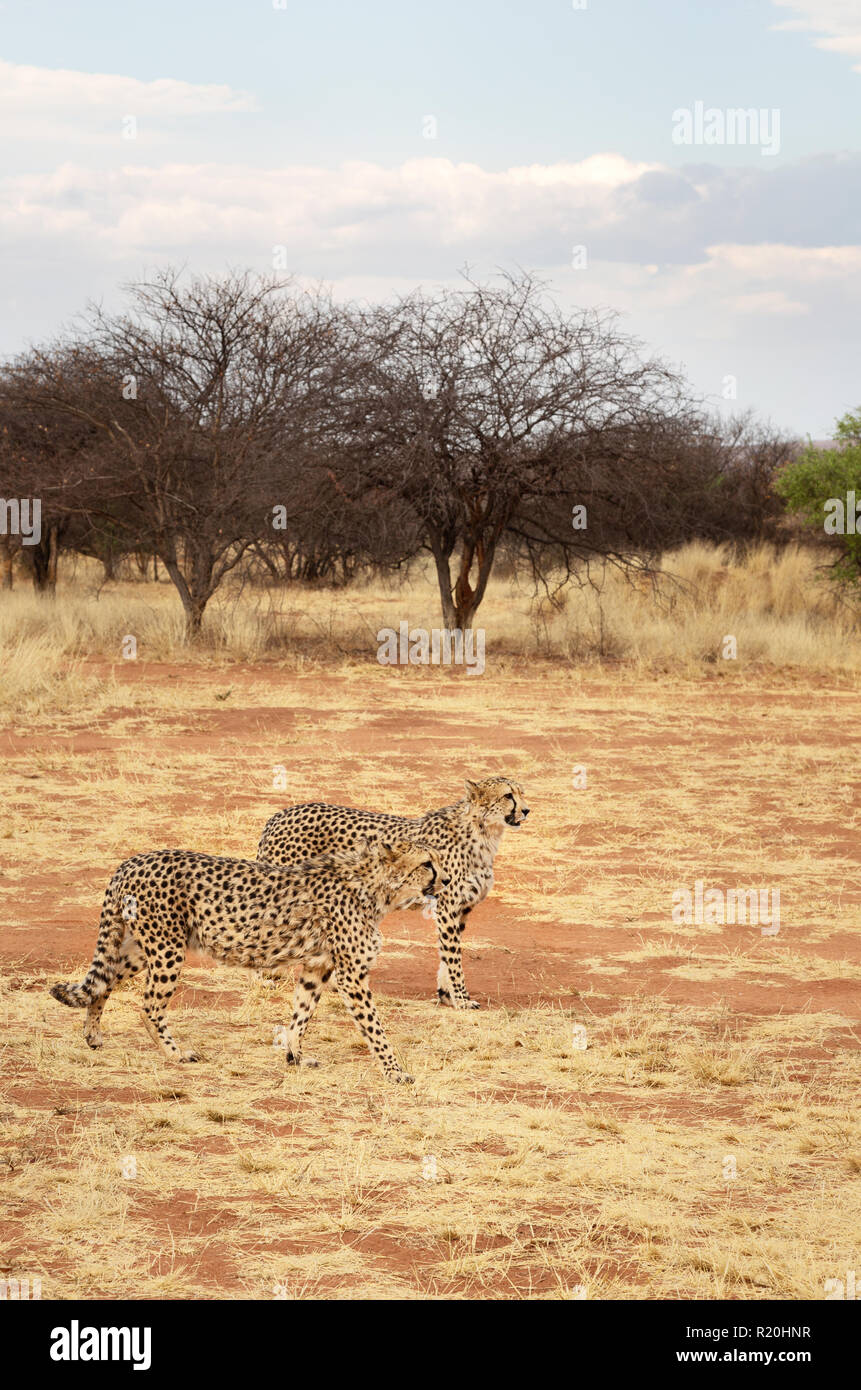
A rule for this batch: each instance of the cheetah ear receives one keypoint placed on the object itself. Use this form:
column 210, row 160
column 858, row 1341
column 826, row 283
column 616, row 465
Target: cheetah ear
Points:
column 473, row 790
column 362, row 847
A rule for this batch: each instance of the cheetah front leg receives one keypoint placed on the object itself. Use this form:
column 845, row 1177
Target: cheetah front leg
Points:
column 450, row 983
column 306, row 997
column 354, row 990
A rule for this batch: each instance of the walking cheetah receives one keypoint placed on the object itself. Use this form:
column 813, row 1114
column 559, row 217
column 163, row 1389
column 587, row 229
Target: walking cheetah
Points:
column 466, row 836
column 324, row 912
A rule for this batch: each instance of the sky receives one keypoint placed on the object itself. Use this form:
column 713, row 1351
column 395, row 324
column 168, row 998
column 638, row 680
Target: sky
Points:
column 381, row 146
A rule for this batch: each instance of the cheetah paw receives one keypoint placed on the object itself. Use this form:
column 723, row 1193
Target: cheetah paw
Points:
column 400, row 1078
column 444, row 998
column 189, row 1057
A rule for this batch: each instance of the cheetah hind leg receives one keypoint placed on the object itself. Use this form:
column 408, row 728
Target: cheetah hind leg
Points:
column 157, row 996
column 306, row 997
column 130, row 960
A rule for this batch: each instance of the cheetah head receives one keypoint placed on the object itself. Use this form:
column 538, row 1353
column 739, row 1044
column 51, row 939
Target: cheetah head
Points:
column 498, row 800
column 412, row 869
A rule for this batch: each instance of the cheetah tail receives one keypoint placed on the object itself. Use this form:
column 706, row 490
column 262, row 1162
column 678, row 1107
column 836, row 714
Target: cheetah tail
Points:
column 100, row 974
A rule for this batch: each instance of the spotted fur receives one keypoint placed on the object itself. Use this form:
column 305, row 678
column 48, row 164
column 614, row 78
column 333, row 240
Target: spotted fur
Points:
column 465, row 835
column 323, row 913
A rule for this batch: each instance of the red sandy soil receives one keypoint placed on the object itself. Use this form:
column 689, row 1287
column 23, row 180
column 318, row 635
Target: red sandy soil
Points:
column 539, row 962
column 544, row 961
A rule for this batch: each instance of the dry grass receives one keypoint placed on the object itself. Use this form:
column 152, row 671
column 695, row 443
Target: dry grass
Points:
column 519, row 1165
column 554, row 1169
column 779, row 608
column 500, row 1175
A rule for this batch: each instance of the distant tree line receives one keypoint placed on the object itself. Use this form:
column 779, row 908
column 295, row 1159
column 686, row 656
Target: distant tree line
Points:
column 224, row 422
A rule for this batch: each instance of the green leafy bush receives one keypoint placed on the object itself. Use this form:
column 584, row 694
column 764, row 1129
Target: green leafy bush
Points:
column 824, row 487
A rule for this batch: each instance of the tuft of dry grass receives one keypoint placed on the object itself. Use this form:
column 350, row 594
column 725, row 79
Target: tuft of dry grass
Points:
column 713, row 1066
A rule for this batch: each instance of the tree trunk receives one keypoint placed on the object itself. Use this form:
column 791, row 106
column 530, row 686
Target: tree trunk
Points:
column 193, row 606
column 194, row 610
column 194, row 592
column 53, row 557
column 460, row 601
column 43, row 558
column 5, row 563
column 443, row 573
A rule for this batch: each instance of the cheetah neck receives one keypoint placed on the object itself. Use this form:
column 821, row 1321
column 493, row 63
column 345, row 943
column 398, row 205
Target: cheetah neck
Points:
column 376, row 888
column 369, row 882
column 468, row 824
column 326, row 870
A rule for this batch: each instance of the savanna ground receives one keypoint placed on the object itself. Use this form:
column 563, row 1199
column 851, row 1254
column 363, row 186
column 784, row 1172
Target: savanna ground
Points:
column 519, row 1165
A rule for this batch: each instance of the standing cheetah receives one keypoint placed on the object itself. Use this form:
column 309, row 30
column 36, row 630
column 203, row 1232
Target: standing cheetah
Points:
column 324, row 912
column 466, row 836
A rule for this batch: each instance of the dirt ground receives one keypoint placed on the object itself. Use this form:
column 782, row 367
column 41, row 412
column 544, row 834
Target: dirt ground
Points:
column 642, row 1108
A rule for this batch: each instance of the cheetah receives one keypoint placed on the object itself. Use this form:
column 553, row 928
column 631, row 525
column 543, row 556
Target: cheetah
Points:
column 466, row 836
column 324, row 912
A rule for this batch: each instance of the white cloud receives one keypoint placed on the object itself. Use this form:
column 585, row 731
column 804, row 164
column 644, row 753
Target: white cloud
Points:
column 357, row 209
column 427, row 216
column 769, row 281
column 722, row 268
column 840, row 20
column 63, row 105
column 729, row 282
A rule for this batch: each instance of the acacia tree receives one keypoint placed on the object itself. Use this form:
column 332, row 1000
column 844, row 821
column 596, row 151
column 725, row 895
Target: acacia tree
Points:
column 754, row 453
column 196, row 397
column 40, row 459
column 327, row 530
column 489, row 411
column 324, row 535
column 650, row 483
